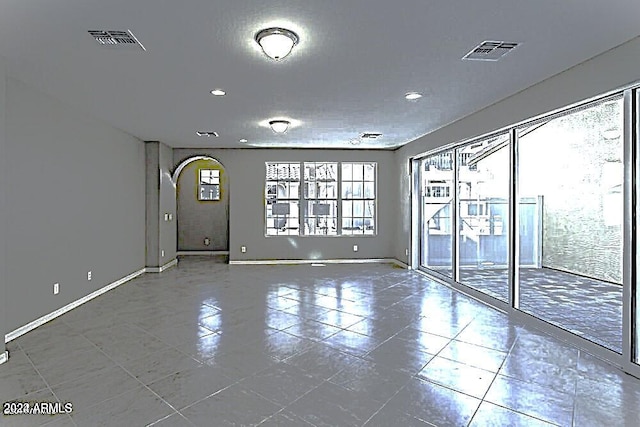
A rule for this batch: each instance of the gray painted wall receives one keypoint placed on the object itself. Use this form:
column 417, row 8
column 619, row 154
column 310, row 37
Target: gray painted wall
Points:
column 75, row 202
column 246, row 172
column 608, row 71
column 198, row 219
column 160, row 201
column 3, row 209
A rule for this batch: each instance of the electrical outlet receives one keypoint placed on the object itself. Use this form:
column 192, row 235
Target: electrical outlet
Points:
column 355, row 248
column 406, row 252
column 88, row 275
column 243, row 249
column 162, row 253
column 56, row 288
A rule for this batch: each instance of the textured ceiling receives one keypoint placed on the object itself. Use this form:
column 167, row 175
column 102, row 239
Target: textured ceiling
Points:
column 355, row 61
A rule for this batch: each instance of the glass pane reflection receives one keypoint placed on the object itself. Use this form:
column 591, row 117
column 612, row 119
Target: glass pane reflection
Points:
column 483, row 215
column 571, row 175
column 437, row 176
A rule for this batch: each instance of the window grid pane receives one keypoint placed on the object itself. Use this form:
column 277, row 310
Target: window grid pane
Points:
column 321, row 198
column 358, row 198
column 282, row 205
column 209, row 184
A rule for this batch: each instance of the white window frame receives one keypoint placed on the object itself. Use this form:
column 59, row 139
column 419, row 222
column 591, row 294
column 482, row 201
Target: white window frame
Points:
column 302, row 201
column 358, row 222
column 209, row 180
column 315, row 224
column 281, row 183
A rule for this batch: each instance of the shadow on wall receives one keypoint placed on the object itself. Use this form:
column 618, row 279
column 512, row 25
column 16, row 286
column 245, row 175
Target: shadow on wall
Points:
column 202, row 188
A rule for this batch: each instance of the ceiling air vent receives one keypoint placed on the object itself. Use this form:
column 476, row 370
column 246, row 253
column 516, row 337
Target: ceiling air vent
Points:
column 370, row 136
column 490, row 51
column 116, row 38
column 208, row 134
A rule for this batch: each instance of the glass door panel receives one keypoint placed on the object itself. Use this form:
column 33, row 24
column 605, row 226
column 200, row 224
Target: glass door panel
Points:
column 483, row 215
column 571, row 172
column 437, row 191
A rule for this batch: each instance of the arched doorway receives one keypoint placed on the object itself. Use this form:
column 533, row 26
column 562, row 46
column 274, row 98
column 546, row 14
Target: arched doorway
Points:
column 202, row 211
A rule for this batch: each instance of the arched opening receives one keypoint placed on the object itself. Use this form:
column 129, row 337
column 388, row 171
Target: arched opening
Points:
column 202, row 206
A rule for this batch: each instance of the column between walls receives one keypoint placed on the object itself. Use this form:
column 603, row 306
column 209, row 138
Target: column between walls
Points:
column 160, row 195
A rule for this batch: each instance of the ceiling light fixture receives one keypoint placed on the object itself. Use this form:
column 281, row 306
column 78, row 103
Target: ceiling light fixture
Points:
column 218, row 92
column 279, row 126
column 243, row 140
column 412, row 96
column 276, row 43
column 354, row 141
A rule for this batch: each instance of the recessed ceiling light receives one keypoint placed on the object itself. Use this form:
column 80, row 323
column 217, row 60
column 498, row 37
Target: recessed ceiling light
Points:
column 354, row 141
column 218, row 92
column 279, row 126
column 207, row 134
column 412, row 96
column 243, row 140
column 276, row 43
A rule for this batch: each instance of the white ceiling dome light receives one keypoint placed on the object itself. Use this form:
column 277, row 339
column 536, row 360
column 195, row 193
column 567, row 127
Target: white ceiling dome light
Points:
column 412, row 96
column 276, row 42
column 279, row 126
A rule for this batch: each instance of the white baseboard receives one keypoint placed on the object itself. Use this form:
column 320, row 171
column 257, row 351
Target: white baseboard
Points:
column 400, row 263
column 59, row 312
column 314, row 261
column 208, row 253
column 4, row 357
column 162, row 268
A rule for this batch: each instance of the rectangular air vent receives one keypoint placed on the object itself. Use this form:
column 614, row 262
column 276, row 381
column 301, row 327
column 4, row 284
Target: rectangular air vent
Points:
column 490, row 51
column 208, row 134
column 116, row 38
column 370, row 135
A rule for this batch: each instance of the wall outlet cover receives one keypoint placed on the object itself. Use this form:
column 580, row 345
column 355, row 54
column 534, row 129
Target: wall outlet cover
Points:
column 243, row 249
column 56, row 288
column 355, row 248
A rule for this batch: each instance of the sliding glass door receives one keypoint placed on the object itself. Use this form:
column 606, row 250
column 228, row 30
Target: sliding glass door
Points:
column 483, row 215
column 436, row 212
column 573, row 176
column 570, row 181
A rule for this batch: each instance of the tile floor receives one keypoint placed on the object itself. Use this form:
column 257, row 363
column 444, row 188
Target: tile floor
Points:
column 208, row 344
column 587, row 307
